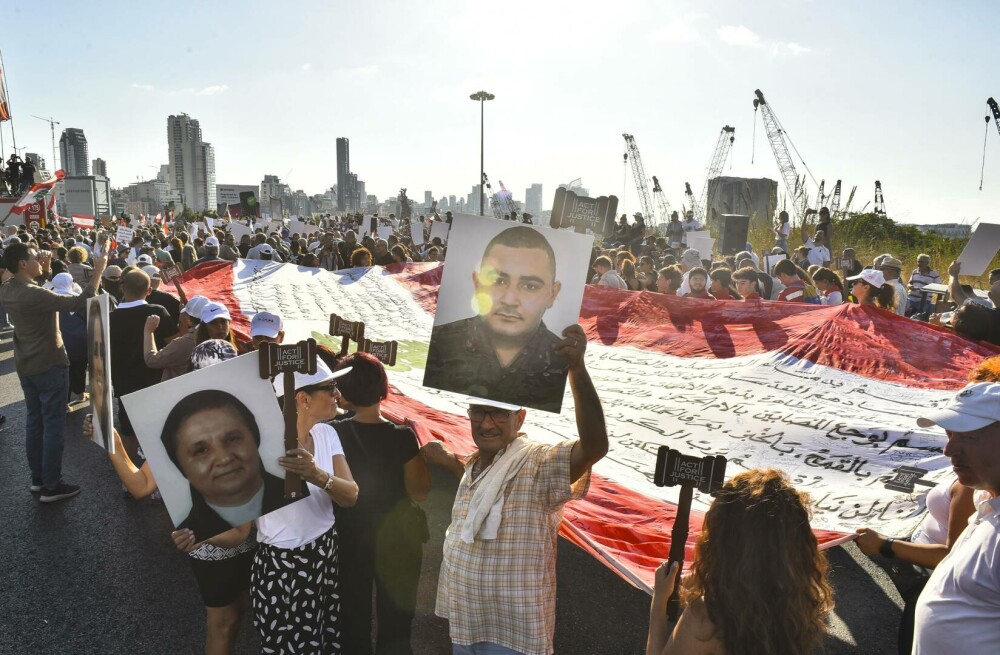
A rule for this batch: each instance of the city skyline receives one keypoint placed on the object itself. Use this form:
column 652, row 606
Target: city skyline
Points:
column 894, row 92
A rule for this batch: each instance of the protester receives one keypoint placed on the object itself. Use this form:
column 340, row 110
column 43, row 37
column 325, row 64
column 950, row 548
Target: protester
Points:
column 73, row 326
column 870, row 288
column 175, row 358
column 157, row 297
column 829, row 285
column 722, row 285
column 78, row 266
column 689, row 260
column 958, row 607
column 747, row 283
column 41, row 361
column 295, row 589
column 506, row 518
column 921, row 276
column 607, row 276
column 668, row 280
column 758, row 583
column 628, row 274
column 215, row 324
column 782, row 232
column 796, row 288
column 891, row 269
column 381, row 537
column 266, row 327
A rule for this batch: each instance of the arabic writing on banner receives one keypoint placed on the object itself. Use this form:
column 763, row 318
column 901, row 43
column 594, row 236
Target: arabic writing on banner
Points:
column 838, row 435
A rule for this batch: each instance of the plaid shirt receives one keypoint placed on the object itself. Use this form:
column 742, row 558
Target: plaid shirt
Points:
column 504, row 590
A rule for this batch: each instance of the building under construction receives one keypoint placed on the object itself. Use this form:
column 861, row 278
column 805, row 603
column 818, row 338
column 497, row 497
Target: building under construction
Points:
column 753, row 197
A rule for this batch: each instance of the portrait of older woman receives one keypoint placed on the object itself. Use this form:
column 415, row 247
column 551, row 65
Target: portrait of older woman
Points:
column 100, row 375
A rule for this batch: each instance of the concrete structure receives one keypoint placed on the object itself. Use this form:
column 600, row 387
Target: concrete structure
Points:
column 533, row 199
column 272, row 189
column 156, row 195
column 73, row 152
column 753, row 197
column 35, row 159
column 428, row 198
column 88, row 195
column 99, row 167
column 192, row 163
column 949, row 230
column 343, row 172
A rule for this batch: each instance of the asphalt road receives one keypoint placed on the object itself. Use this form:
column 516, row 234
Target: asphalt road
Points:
column 98, row 573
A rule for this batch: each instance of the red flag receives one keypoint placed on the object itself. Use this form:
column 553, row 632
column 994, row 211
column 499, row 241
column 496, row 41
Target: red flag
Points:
column 83, row 220
column 4, row 106
column 36, row 193
column 159, row 217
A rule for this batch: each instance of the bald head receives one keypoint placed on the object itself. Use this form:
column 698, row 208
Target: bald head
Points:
column 135, row 286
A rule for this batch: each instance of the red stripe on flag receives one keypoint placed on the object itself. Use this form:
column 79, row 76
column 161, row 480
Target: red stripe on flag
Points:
column 83, row 220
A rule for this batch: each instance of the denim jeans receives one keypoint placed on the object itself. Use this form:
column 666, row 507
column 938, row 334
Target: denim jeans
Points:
column 45, row 397
column 482, row 648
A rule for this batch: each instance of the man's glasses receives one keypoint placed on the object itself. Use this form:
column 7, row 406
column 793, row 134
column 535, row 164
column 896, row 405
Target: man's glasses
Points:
column 330, row 388
column 499, row 416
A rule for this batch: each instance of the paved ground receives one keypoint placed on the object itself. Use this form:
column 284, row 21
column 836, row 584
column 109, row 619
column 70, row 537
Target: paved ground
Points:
column 98, row 574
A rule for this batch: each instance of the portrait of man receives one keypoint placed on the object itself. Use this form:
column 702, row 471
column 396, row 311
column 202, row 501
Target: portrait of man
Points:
column 505, row 351
column 212, row 438
column 99, row 358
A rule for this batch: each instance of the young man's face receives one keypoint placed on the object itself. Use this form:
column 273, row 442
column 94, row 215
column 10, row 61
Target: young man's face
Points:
column 717, row 287
column 514, row 288
column 697, row 283
column 744, row 287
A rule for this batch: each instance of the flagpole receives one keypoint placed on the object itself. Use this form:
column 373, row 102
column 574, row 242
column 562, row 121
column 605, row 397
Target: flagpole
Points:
column 13, row 136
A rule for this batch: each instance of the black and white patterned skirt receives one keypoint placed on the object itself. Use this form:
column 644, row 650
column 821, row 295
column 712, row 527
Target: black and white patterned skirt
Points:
column 296, row 605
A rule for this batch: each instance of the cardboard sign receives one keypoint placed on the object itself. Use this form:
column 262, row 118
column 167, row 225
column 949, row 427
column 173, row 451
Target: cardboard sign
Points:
column 124, row 235
column 239, row 230
column 210, row 223
column 980, row 250
column 168, row 273
column 349, row 330
column 280, row 358
column 383, row 351
column 417, row 232
column 439, row 229
column 770, row 261
column 384, row 232
column 705, row 246
column 596, row 215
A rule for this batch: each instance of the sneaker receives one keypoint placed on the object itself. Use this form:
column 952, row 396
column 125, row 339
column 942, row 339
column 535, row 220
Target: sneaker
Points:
column 59, row 492
column 36, row 485
column 75, row 398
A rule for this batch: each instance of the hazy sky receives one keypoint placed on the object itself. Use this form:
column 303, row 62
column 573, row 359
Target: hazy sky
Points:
column 894, row 91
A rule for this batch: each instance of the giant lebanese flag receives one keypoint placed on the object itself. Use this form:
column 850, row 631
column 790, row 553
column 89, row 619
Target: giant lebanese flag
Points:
column 37, row 192
column 828, row 394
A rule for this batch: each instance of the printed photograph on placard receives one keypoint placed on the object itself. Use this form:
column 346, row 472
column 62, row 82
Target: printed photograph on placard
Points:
column 507, row 293
column 99, row 363
column 213, row 438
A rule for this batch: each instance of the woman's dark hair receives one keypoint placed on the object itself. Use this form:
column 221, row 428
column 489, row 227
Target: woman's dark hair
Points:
column 366, row 384
column 826, row 275
column 758, row 568
column 400, row 251
column 197, row 402
column 310, row 261
column 201, row 334
column 883, row 297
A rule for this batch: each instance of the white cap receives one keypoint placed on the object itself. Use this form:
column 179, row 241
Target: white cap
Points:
column 194, row 306
column 211, row 242
column 265, row 324
column 151, row 271
column 322, row 374
column 871, row 276
column 214, row 310
column 64, row 285
column 972, row 408
column 265, row 249
column 144, row 259
column 485, row 402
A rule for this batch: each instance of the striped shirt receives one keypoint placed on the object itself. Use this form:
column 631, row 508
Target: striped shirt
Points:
column 918, row 281
column 503, row 590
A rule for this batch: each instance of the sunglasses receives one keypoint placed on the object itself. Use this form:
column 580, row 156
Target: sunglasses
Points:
column 331, row 387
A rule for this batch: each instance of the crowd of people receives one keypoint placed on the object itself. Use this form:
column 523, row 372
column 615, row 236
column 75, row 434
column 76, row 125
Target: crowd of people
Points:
column 307, row 572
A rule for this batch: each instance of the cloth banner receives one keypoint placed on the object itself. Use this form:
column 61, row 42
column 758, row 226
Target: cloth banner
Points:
column 81, row 220
column 827, row 394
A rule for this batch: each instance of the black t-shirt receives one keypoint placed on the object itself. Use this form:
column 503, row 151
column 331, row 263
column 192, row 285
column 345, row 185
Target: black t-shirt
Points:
column 172, row 305
column 376, row 453
column 128, row 365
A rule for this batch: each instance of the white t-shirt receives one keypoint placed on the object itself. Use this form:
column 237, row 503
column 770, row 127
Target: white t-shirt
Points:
column 900, row 295
column 818, row 255
column 833, row 298
column 957, row 612
column 303, row 521
column 613, row 280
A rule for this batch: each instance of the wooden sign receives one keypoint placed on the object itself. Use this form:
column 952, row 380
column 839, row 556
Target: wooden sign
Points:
column 168, row 273
column 582, row 213
column 288, row 360
column 348, row 330
column 383, row 351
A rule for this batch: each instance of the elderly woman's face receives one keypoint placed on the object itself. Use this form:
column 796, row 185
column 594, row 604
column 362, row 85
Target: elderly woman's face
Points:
column 218, row 455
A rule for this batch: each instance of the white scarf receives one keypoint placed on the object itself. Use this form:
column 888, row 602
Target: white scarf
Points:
column 486, row 506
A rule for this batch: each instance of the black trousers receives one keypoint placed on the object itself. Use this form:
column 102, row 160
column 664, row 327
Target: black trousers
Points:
column 77, row 376
column 386, row 559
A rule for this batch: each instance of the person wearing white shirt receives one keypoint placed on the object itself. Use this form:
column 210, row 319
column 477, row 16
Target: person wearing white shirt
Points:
column 690, row 259
column 891, row 269
column 958, row 612
column 607, row 275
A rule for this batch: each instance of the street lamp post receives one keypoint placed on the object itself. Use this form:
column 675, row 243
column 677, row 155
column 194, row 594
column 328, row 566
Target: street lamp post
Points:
column 481, row 97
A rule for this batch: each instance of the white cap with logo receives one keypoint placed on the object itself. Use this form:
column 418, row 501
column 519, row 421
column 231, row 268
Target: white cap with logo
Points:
column 194, row 306
column 266, row 324
column 322, row 374
column 972, row 408
column 213, row 311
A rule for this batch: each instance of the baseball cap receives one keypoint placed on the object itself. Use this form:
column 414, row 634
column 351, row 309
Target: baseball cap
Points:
column 871, row 276
column 212, row 351
column 972, row 408
column 211, row 242
column 265, row 324
column 486, row 402
column 151, row 271
column 144, row 259
column 322, row 374
column 112, row 273
column 266, row 249
column 194, row 306
column 691, row 255
column 214, row 310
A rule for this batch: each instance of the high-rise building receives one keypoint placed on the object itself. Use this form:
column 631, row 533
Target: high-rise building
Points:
column 86, row 194
column 533, row 199
column 474, row 200
column 99, row 167
column 73, row 152
column 361, row 194
column 192, row 163
column 352, row 192
column 343, row 173
column 428, row 198
column 273, row 194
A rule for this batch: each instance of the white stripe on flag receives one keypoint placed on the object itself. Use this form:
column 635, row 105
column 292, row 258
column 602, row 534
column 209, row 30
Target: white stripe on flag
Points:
column 81, row 220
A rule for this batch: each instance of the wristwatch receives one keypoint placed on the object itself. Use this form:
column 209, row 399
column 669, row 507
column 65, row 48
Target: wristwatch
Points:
column 329, row 483
column 885, row 550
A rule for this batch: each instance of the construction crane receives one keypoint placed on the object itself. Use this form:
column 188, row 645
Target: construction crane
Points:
column 879, row 208
column 819, row 196
column 494, row 201
column 996, row 112
column 641, row 186
column 508, row 200
column 52, row 126
column 722, row 148
column 699, row 212
column 834, row 205
column 850, row 200
column 777, row 136
column 661, row 201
